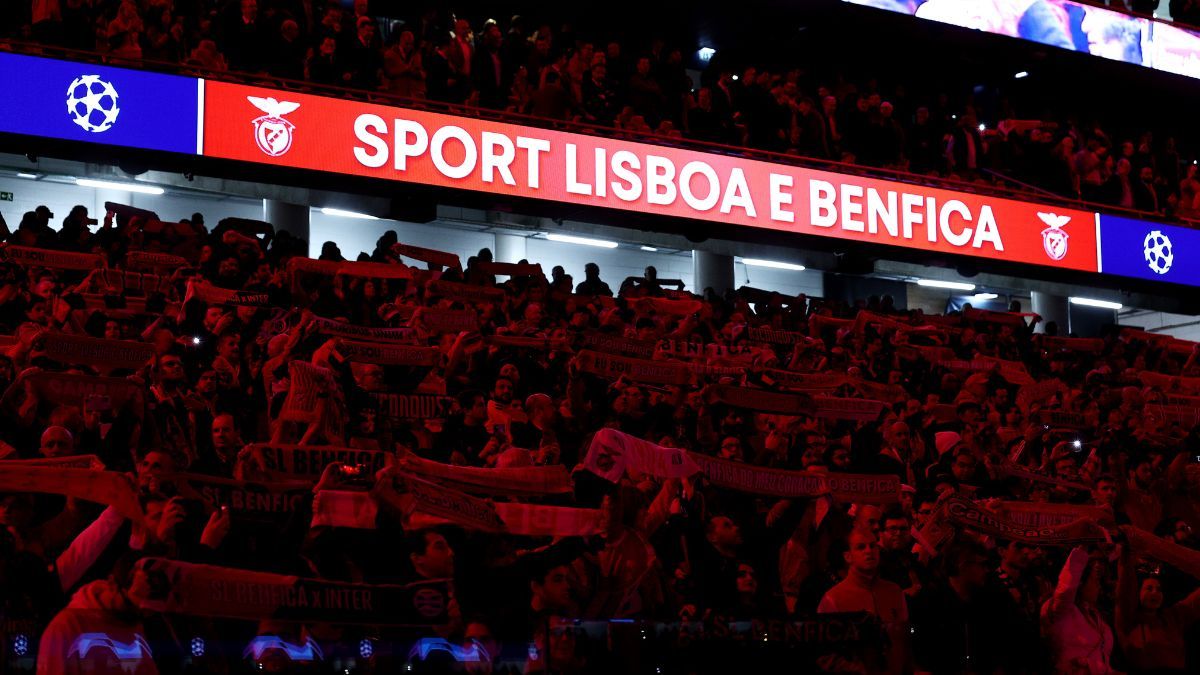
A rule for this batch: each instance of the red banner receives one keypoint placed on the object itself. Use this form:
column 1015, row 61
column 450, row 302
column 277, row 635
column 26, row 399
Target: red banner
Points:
column 383, row 142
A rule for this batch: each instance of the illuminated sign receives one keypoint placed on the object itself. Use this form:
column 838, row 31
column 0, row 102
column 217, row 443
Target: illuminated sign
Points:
column 1066, row 24
column 1151, row 251
column 376, row 141
column 98, row 104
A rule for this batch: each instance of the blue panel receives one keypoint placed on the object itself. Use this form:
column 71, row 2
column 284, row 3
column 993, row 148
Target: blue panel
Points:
column 1149, row 250
column 97, row 104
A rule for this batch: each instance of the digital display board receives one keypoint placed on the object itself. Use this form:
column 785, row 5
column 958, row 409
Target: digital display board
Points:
column 1147, row 250
column 1066, row 24
column 304, row 131
column 99, row 104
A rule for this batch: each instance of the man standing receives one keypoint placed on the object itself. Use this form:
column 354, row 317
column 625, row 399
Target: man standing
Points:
column 863, row 591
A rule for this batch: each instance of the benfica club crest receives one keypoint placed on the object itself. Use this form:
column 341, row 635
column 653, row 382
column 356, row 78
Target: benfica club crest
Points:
column 273, row 133
column 1054, row 240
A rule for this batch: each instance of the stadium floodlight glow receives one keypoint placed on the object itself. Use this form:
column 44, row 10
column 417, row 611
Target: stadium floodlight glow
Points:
column 347, row 214
column 773, row 264
column 1021, row 75
column 952, row 285
column 32, row 176
column 650, row 249
column 982, row 127
column 1102, row 304
column 124, row 187
column 582, row 241
column 983, row 297
column 705, row 54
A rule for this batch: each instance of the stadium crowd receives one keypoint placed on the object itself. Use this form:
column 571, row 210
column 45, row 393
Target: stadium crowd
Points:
column 220, row 455
column 551, row 71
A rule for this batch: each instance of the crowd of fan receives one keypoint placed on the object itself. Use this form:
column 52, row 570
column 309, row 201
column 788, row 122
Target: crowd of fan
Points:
column 225, row 371
column 557, row 74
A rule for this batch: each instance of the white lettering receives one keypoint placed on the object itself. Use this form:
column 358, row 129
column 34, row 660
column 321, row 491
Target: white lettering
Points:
column 822, row 211
column 852, row 208
column 624, row 164
column 909, row 213
column 438, row 146
column 878, row 211
column 955, row 238
column 404, row 149
column 363, row 126
column 780, row 199
column 534, row 146
column 737, row 193
column 491, row 161
column 573, row 184
column 601, row 178
column 692, row 169
column 660, row 180
column 987, row 230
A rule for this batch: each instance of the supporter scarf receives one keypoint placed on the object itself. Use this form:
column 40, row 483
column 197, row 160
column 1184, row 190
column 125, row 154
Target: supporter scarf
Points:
column 1031, row 394
column 1015, row 471
column 612, row 453
column 680, row 307
column 866, row 318
column 369, row 270
column 1063, row 419
column 412, row 406
column 114, row 282
column 29, row 256
column 708, row 370
column 309, row 384
column 114, row 354
column 453, row 290
column 806, row 381
column 542, row 344
column 1131, row 333
column 935, row 355
column 214, row 295
column 1012, row 371
column 1042, row 514
column 1015, row 319
column 523, row 481
column 844, row 487
column 775, row 337
column 1089, row 345
column 891, row 393
column 69, row 462
column 428, row 255
column 533, row 520
column 159, row 263
column 854, row 409
column 1180, row 557
column 224, row 592
column 500, row 269
column 129, row 306
column 438, row 321
column 1169, row 383
column 307, row 462
column 346, row 330
column 390, row 355
column 819, row 322
column 410, row 494
column 344, row 508
column 264, row 502
column 971, row 515
column 575, row 300
column 72, row 390
column 639, row 370
column 761, row 400
column 1185, row 416
column 694, row 350
column 615, row 344
column 110, row 488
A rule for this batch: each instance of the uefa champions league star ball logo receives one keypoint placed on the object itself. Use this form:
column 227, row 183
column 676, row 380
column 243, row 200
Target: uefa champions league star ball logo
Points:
column 273, row 133
column 1159, row 253
column 1054, row 240
column 92, row 103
